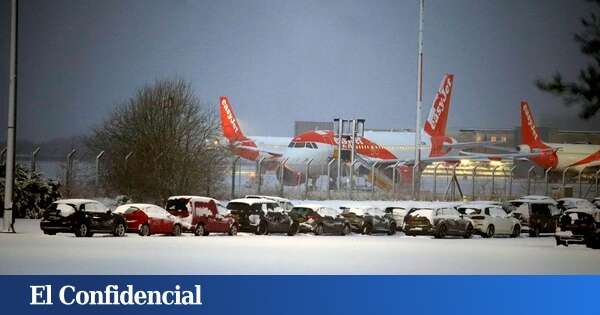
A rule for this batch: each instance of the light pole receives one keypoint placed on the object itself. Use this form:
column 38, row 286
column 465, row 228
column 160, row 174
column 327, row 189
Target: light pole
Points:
column 419, row 98
column 8, row 225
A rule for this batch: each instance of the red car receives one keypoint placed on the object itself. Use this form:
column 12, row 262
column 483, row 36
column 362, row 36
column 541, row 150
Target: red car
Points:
column 202, row 215
column 147, row 219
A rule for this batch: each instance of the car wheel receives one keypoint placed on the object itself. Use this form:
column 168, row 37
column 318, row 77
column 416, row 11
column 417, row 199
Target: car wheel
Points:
column 82, row 230
column 199, row 231
column 367, row 229
column 119, row 230
column 49, row 232
column 468, row 231
column 489, row 232
column 261, row 228
column 144, row 230
column 441, row 232
column 293, row 229
column 318, row 230
column 233, row 230
column 516, row 231
column 346, row 230
column 176, row 230
column 392, row 230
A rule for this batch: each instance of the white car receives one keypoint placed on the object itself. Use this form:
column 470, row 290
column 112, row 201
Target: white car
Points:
column 596, row 202
column 572, row 203
column 398, row 213
column 489, row 220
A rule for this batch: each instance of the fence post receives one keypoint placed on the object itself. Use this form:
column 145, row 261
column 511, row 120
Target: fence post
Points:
column 233, row 167
column 98, row 157
column 493, row 193
column 394, row 177
column 416, row 183
column 34, row 159
column 510, row 186
column 547, row 179
column 373, row 169
column 306, row 178
column 579, row 181
column 282, row 174
column 259, row 174
column 68, row 172
column 473, row 181
column 329, row 177
column 529, row 171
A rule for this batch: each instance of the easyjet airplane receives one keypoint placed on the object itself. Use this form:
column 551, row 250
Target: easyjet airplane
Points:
column 375, row 146
column 557, row 156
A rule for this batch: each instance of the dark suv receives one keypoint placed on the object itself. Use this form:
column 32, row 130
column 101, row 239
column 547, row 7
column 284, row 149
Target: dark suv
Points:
column 369, row 220
column 536, row 215
column 262, row 216
column 579, row 226
column 83, row 217
column 320, row 220
column 438, row 222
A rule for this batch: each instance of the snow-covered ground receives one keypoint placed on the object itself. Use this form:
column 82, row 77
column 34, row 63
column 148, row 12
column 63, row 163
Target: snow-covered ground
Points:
column 31, row 252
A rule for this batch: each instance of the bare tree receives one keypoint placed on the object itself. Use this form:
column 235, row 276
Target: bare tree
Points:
column 173, row 141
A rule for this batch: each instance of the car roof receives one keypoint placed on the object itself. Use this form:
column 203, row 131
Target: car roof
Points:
column 536, row 197
column 313, row 206
column 590, row 211
column 76, row 201
column 252, row 201
column 571, row 199
column 275, row 198
column 480, row 206
column 200, row 198
column 135, row 205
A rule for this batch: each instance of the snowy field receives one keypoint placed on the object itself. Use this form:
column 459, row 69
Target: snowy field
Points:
column 31, row 252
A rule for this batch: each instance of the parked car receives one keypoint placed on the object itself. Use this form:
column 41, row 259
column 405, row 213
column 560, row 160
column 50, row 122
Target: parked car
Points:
column 320, row 219
column 262, row 216
column 596, row 202
column 202, row 215
column 579, row 226
column 369, row 220
column 398, row 213
column 536, row 215
column 285, row 204
column 83, row 217
column 571, row 203
column 437, row 221
column 147, row 219
column 490, row 219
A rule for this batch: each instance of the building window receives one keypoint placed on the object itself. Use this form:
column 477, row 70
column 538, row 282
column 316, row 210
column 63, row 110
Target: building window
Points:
column 503, row 139
column 478, row 138
column 493, row 139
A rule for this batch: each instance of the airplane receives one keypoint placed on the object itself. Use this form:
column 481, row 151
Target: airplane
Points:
column 375, row 146
column 557, row 156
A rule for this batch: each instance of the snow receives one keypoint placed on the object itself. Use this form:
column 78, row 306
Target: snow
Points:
column 31, row 252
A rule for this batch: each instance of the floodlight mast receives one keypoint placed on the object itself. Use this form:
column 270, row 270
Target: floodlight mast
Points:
column 10, row 136
column 419, row 99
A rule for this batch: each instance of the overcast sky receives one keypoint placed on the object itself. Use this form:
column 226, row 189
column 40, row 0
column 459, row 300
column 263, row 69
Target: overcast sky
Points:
column 281, row 61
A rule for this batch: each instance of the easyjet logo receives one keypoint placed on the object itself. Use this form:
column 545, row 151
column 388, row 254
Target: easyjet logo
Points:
column 439, row 104
column 229, row 114
column 530, row 122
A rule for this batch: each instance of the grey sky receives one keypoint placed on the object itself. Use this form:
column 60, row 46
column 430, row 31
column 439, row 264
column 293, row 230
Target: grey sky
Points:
column 281, row 61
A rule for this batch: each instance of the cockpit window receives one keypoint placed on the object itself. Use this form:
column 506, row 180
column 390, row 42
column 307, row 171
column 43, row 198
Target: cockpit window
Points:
column 299, row 145
column 291, row 145
column 315, row 146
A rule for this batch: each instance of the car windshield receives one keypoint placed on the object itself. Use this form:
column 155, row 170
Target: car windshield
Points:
column 65, row 209
column 177, row 204
column 469, row 211
column 300, row 210
column 244, row 207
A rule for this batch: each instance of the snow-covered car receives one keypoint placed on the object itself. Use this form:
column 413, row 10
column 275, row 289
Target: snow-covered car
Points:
column 285, row 204
column 490, row 219
column 571, row 203
column 202, row 215
column 84, row 217
column 369, row 220
column 398, row 213
column 536, row 215
column 437, row 221
column 146, row 219
column 596, row 202
column 262, row 216
column 579, row 226
column 320, row 219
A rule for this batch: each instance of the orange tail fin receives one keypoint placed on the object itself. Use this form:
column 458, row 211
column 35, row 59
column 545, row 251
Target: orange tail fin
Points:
column 229, row 123
column 529, row 133
column 437, row 121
